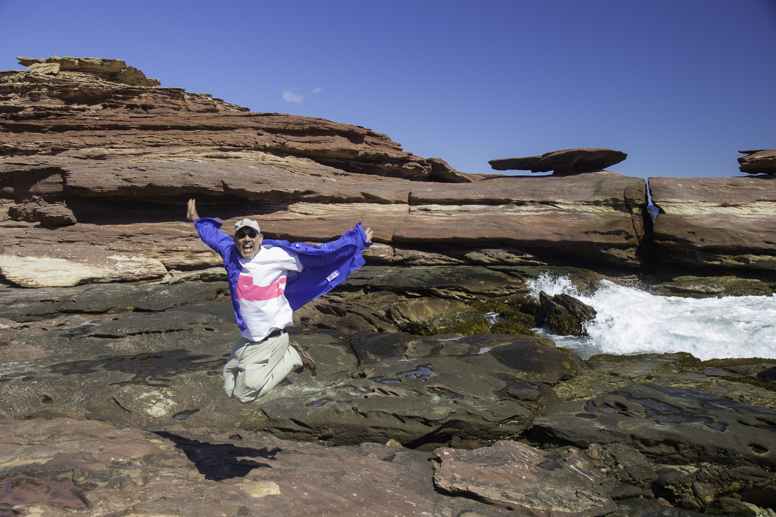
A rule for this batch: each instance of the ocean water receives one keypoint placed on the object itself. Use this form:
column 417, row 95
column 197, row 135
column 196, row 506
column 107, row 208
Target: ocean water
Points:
column 631, row 321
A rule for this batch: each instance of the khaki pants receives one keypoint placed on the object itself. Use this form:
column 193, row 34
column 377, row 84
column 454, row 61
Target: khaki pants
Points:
column 255, row 367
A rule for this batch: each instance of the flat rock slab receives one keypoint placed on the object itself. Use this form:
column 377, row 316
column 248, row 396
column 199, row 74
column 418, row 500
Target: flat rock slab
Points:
column 715, row 222
column 565, row 161
column 531, row 481
column 62, row 467
column 755, row 162
column 668, row 425
column 31, row 304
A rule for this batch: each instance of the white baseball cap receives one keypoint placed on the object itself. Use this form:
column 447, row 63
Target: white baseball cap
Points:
column 250, row 223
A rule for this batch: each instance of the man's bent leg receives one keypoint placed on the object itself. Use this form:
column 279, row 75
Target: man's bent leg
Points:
column 231, row 368
column 261, row 366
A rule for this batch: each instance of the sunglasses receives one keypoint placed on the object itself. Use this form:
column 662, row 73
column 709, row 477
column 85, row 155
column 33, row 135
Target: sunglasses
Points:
column 242, row 233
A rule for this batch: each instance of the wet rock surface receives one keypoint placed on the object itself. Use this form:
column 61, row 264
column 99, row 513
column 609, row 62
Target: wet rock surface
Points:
column 668, row 424
column 665, row 427
column 151, row 368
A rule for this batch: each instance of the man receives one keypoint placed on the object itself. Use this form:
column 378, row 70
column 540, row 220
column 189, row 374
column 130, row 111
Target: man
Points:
column 268, row 280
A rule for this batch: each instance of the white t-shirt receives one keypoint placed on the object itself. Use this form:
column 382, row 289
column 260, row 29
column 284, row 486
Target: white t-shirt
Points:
column 260, row 291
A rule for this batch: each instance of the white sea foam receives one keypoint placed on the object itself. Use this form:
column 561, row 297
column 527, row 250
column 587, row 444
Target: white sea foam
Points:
column 631, row 321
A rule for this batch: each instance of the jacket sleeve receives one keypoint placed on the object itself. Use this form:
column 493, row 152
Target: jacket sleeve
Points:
column 325, row 265
column 210, row 233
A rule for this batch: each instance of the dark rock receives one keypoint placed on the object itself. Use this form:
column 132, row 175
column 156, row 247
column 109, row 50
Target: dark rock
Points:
column 636, row 467
column 669, row 425
column 538, row 358
column 625, row 491
column 649, row 508
column 531, row 481
column 564, row 314
column 758, row 161
column 731, row 506
column 566, row 161
column 730, row 378
column 25, row 305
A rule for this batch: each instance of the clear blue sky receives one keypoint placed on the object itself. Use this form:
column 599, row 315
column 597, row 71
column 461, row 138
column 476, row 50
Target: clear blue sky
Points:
column 679, row 85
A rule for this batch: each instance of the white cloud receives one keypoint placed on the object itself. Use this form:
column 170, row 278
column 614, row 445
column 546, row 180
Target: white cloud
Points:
column 318, row 90
column 290, row 96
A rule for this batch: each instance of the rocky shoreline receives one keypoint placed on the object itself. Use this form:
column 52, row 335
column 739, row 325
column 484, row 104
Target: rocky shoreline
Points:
column 115, row 321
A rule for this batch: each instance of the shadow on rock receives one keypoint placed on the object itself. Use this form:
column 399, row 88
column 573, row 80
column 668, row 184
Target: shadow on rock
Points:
column 217, row 461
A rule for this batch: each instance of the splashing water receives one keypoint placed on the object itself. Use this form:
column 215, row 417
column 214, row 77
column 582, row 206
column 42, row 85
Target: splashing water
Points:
column 631, row 321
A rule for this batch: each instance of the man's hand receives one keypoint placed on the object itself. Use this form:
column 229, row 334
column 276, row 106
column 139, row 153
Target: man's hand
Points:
column 368, row 232
column 191, row 210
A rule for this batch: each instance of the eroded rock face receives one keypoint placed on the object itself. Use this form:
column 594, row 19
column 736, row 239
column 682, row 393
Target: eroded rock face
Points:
column 566, row 161
column 722, row 223
column 110, row 112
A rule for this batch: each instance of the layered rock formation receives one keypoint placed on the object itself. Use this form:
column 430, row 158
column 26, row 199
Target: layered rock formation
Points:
column 109, row 159
column 722, row 223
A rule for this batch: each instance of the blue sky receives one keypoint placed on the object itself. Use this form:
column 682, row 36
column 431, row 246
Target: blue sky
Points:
column 679, row 85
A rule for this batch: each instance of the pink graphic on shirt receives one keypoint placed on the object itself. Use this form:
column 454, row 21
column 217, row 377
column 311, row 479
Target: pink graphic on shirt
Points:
column 252, row 293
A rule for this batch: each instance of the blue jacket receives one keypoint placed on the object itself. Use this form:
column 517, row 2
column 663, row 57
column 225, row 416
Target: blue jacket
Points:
column 325, row 265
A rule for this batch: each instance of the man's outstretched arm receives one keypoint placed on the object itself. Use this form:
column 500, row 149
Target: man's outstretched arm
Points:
column 191, row 210
column 368, row 232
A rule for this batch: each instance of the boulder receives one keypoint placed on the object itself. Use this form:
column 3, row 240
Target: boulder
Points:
column 715, row 223
column 758, row 161
column 564, row 314
column 38, row 210
column 566, row 161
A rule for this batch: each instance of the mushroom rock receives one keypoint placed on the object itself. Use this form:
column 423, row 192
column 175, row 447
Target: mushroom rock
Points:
column 758, row 161
column 566, row 161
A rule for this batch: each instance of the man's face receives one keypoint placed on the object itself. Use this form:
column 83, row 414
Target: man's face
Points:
column 248, row 242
